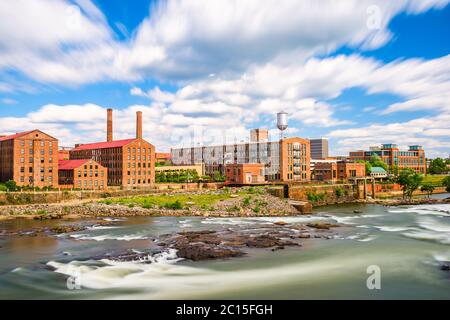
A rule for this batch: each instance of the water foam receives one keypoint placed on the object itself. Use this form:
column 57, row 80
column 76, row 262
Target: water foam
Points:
column 104, row 237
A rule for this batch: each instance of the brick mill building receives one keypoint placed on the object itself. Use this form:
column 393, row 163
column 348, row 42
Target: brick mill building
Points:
column 339, row 170
column 30, row 159
column 82, row 174
column 130, row 162
column 413, row 159
column 287, row 160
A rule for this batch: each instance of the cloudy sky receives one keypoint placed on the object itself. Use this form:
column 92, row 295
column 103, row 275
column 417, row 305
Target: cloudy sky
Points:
column 359, row 72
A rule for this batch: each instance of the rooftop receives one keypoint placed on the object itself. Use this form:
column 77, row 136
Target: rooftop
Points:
column 378, row 170
column 16, row 135
column 104, row 145
column 71, row 164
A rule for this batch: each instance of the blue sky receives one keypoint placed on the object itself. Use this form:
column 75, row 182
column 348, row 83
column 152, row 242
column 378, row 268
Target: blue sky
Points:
column 361, row 73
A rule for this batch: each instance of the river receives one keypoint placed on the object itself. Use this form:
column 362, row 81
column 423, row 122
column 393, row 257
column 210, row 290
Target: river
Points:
column 407, row 244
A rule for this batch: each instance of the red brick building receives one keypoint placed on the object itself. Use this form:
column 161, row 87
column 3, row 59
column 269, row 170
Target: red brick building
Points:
column 130, row 162
column 82, row 174
column 245, row 173
column 30, row 159
column 163, row 157
column 414, row 158
column 341, row 170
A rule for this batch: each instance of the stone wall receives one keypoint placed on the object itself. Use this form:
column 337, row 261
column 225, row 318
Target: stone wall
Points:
column 318, row 194
column 41, row 197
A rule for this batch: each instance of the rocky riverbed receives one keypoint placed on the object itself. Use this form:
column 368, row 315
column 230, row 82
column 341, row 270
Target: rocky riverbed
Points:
column 232, row 242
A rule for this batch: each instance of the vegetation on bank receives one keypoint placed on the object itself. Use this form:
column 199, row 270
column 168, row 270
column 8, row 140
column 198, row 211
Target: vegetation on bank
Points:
column 186, row 176
column 439, row 166
column 176, row 201
column 186, row 200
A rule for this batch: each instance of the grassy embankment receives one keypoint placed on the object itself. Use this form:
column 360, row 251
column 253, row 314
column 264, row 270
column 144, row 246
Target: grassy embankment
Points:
column 435, row 180
column 181, row 201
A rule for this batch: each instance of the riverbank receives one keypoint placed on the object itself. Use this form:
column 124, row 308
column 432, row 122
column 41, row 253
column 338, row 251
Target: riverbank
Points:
column 239, row 202
column 220, row 203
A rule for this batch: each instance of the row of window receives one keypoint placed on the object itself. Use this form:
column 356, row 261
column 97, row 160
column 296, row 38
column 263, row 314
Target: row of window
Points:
column 138, row 181
column 42, row 143
column 31, row 179
column 41, row 151
column 41, row 169
column 31, row 160
column 144, row 150
column 90, row 183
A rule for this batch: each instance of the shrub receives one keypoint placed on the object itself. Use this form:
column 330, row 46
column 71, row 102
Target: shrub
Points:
column 246, row 201
column 174, row 205
column 11, row 185
column 339, row 192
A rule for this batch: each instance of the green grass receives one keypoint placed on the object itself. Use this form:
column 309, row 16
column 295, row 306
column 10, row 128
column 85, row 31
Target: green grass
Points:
column 176, row 201
column 435, row 180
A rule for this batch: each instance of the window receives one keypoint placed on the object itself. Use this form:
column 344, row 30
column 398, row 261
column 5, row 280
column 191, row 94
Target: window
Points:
column 50, row 169
column 22, row 160
column 22, row 169
column 30, row 169
column 50, row 160
column 22, row 151
column 31, row 160
column 42, row 143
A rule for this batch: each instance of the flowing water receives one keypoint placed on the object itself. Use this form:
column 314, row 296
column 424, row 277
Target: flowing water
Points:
column 408, row 244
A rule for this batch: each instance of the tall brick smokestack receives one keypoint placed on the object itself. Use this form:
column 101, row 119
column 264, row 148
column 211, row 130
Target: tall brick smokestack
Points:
column 109, row 126
column 139, row 125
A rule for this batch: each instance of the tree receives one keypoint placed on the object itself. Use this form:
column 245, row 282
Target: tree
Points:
column 376, row 161
column 437, row 166
column 409, row 181
column 446, row 183
column 11, row 185
column 428, row 188
column 218, row 177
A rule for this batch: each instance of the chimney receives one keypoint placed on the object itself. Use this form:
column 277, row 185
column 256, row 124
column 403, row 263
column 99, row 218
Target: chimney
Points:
column 139, row 125
column 109, row 126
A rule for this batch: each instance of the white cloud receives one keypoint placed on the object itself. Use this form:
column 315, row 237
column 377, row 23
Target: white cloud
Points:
column 431, row 132
column 71, row 43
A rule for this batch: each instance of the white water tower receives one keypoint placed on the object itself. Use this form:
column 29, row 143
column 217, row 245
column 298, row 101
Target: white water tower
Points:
column 282, row 122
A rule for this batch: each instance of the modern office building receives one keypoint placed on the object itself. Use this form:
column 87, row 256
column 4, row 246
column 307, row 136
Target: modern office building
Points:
column 319, row 148
column 390, row 154
column 284, row 160
column 30, row 159
column 82, row 174
column 130, row 162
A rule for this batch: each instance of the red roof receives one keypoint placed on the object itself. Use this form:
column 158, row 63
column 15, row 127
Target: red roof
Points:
column 104, row 145
column 70, row 164
column 163, row 155
column 17, row 135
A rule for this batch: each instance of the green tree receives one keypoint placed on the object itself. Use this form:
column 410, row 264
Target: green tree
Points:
column 11, row 185
column 428, row 188
column 437, row 166
column 376, row 161
column 446, row 183
column 218, row 177
column 409, row 181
